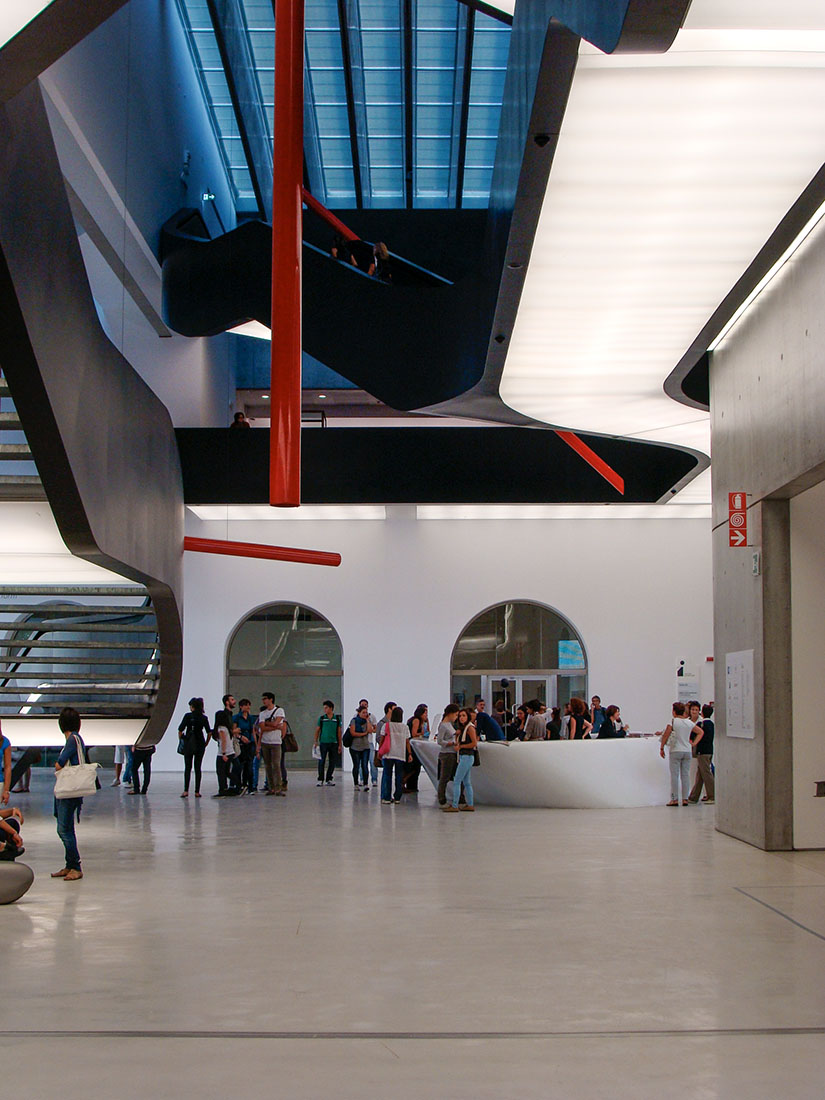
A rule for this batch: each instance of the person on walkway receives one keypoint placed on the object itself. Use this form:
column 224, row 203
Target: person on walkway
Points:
column 194, row 733
column 447, row 751
column 270, row 732
column 67, row 810
column 372, row 741
column 579, row 725
column 466, row 744
column 680, row 735
column 395, row 759
column 419, row 727
column 380, row 730
column 381, row 266
column 597, row 715
column 360, row 729
column 141, row 758
column 703, row 748
column 328, row 739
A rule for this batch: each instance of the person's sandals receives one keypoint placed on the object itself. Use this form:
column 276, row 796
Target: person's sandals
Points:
column 671, row 803
column 73, row 875
column 449, row 809
column 61, row 873
column 685, row 802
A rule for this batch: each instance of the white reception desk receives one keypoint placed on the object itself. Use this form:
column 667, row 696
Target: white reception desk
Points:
column 621, row 772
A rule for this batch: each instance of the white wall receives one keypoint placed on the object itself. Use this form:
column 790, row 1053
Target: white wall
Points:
column 808, row 646
column 638, row 592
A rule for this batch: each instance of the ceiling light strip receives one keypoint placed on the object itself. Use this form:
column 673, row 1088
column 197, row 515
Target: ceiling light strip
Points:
column 769, row 275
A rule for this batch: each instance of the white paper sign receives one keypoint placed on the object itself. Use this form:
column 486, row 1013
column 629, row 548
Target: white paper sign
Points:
column 687, row 680
column 739, row 700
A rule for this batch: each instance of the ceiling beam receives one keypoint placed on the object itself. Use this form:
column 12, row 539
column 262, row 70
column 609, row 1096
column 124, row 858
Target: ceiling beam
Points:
column 408, row 51
column 461, row 98
column 349, row 21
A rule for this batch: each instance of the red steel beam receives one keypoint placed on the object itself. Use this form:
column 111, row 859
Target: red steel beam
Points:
column 329, row 217
column 261, row 550
column 592, row 459
column 288, row 139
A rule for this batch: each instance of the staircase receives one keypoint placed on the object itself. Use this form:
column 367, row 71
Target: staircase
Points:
column 18, row 474
column 91, row 647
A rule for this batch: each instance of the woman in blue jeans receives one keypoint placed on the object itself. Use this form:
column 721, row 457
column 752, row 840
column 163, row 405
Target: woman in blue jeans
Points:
column 466, row 741
column 66, row 810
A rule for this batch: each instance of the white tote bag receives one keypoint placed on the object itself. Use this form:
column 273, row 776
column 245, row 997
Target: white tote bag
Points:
column 76, row 780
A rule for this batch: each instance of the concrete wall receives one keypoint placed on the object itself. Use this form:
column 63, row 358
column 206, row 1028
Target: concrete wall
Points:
column 125, row 106
column 638, row 592
column 807, row 512
column 768, row 432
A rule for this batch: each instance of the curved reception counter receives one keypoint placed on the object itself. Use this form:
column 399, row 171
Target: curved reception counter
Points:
column 619, row 773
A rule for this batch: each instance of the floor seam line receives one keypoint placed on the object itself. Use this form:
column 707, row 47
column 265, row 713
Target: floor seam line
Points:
column 779, row 913
column 415, row 1036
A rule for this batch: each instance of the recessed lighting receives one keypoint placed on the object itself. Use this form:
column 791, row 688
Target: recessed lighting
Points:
column 321, row 396
column 265, row 396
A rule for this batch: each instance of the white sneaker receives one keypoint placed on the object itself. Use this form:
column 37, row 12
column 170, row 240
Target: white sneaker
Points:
column 330, row 783
column 320, row 783
column 116, row 783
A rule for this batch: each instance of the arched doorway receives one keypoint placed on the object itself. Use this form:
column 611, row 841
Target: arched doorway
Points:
column 294, row 652
column 516, row 651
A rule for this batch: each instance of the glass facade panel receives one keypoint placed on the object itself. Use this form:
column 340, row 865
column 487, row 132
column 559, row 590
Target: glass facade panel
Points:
column 515, row 637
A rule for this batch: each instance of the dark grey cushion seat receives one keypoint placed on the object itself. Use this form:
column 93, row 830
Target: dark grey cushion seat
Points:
column 15, row 879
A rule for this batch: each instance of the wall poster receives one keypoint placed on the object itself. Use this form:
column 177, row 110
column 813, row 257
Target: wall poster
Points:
column 739, row 700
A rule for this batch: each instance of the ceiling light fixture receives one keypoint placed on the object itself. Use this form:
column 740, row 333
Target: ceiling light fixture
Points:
column 321, row 396
column 769, row 275
column 264, row 396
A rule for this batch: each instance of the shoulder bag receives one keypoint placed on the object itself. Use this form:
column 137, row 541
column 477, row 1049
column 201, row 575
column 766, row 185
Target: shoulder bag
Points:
column 76, row 780
column 289, row 742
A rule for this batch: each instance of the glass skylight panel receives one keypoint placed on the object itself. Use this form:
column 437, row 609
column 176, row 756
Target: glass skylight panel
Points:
column 382, row 44
column 198, row 24
column 325, row 61
column 491, row 46
column 436, row 29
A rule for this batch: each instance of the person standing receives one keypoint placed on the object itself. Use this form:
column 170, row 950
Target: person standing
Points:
column 5, row 768
column 535, row 728
column 579, row 725
column 243, row 727
column 396, row 758
column 360, row 729
column 487, row 725
column 419, row 727
column 270, row 731
column 372, row 741
column 703, row 747
column 597, row 715
column 222, row 733
column 329, row 742
column 681, row 735
column 448, row 753
column 466, row 744
column 141, row 758
column 67, row 810
column 194, row 734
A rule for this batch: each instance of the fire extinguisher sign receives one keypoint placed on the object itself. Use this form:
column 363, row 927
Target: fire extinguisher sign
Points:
column 737, row 519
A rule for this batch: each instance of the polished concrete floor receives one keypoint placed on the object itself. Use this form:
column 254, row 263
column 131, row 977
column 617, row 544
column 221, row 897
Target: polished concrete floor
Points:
column 324, row 945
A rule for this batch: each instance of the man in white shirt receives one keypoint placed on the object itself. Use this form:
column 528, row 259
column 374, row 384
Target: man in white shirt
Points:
column 269, row 735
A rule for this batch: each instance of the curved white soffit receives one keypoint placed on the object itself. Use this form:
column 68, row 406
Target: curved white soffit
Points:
column 670, row 174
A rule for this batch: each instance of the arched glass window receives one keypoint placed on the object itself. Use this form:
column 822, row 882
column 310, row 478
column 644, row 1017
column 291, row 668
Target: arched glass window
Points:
column 517, row 651
column 295, row 653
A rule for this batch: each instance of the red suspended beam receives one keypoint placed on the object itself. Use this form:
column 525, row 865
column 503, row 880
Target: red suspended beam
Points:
column 329, row 217
column 288, row 138
column 592, row 459
column 261, row 550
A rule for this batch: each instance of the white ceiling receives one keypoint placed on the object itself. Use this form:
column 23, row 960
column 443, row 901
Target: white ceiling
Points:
column 15, row 14
column 32, row 551
column 670, row 174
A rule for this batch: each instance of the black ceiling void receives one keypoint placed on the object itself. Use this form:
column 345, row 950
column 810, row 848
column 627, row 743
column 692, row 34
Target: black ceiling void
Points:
column 426, row 466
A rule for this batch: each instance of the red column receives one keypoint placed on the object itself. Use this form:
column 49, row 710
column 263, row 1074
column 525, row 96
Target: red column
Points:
column 288, row 134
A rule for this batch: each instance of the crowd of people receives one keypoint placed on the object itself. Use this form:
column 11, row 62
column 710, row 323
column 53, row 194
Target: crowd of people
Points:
column 243, row 742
